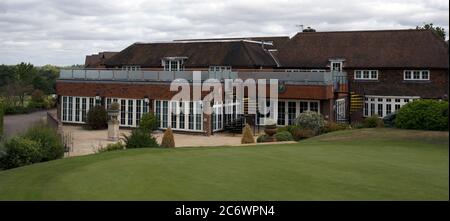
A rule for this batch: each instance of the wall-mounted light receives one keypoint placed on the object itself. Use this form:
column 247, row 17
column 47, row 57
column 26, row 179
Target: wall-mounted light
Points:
column 146, row 100
column 97, row 97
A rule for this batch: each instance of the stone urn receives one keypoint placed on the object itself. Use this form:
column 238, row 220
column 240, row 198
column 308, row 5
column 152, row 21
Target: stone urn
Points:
column 270, row 128
column 113, row 122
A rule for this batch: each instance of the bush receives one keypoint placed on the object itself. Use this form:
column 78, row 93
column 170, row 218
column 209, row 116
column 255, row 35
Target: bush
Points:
column 332, row 126
column 50, row 143
column 373, row 121
column 305, row 133
column 292, row 129
column 11, row 109
column 139, row 139
column 149, row 122
column 262, row 138
column 423, row 115
column 247, row 135
column 310, row 120
column 1, row 119
column 111, row 147
column 283, row 136
column 97, row 118
column 389, row 119
column 168, row 140
column 20, row 151
column 37, row 96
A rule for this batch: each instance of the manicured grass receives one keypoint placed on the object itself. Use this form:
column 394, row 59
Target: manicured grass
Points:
column 367, row 164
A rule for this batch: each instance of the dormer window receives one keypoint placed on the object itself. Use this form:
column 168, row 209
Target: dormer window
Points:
column 131, row 68
column 173, row 63
column 336, row 64
column 219, row 68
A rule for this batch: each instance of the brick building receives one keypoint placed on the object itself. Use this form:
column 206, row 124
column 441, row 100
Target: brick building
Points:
column 317, row 72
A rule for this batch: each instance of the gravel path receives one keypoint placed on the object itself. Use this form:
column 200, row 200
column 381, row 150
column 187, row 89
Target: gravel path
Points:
column 14, row 124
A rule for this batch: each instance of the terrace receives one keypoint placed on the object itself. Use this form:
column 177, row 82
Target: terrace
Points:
column 337, row 79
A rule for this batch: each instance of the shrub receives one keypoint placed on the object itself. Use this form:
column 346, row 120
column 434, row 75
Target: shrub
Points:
column 37, row 96
column 2, row 113
column 11, row 109
column 332, row 126
column 373, row 121
column 305, row 133
column 114, row 106
column 168, row 140
column 389, row 120
column 139, row 139
column 292, row 129
column 50, row 143
column 149, row 122
column 262, row 138
column 111, row 147
column 97, row 118
column 283, row 136
column 247, row 135
column 424, row 115
column 310, row 120
column 20, row 151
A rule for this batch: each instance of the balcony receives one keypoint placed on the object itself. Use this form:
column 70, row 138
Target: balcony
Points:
column 337, row 79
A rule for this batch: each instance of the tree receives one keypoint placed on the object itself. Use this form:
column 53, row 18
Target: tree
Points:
column 22, row 80
column 309, row 29
column 438, row 30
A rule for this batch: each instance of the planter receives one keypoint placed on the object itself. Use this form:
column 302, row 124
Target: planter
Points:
column 113, row 113
column 270, row 130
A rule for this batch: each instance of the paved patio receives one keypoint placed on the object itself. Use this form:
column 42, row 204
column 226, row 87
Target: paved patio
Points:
column 88, row 141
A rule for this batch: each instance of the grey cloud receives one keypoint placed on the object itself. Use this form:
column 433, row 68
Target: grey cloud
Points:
column 63, row 31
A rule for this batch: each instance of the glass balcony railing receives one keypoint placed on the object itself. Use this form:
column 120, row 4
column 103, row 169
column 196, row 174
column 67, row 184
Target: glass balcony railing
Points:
column 301, row 78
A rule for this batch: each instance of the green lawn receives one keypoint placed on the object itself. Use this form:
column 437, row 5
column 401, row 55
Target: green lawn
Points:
column 366, row 164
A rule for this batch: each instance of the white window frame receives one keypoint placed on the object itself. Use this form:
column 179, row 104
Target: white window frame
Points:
column 421, row 78
column 73, row 111
column 336, row 62
column 361, row 72
column 297, row 108
column 134, row 113
column 373, row 101
column 219, row 68
column 167, row 64
column 177, row 115
column 131, row 68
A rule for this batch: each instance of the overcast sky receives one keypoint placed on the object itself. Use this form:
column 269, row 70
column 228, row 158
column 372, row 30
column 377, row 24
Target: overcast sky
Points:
column 62, row 32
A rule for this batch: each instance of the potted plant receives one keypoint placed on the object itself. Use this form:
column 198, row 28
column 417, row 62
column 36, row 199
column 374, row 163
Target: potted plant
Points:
column 270, row 128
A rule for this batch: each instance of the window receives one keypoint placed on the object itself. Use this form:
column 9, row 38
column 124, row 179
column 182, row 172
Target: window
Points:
column 220, row 68
column 130, row 112
column 303, row 106
column 164, row 114
column 198, row 115
column 416, row 75
column 336, row 65
column 288, row 110
column 366, row 74
column 131, row 68
column 173, row 64
column 74, row 109
column 281, row 113
column 291, row 112
column 182, row 114
column 383, row 106
column 173, row 113
column 158, row 112
column 191, row 116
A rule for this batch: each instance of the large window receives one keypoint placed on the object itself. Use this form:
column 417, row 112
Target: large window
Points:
column 288, row 110
column 184, row 115
column 366, row 74
column 416, row 75
column 383, row 106
column 131, row 110
column 74, row 109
